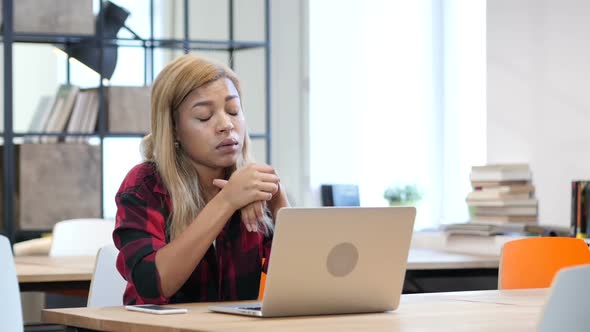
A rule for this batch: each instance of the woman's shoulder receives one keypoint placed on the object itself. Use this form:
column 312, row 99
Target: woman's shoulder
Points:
column 146, row 168
column 144, row 175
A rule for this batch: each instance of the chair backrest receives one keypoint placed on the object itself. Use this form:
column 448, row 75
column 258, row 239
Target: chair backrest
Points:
column 11, row 316
column 81, row 237
column 534, row 262
column 107, row 285
column 566, row 308
column 262, row 283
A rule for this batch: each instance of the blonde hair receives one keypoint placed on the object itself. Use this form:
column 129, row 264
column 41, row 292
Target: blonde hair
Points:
column 180, row 177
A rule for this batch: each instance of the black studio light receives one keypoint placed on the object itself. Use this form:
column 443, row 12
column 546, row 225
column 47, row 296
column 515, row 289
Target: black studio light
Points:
column 88, row 52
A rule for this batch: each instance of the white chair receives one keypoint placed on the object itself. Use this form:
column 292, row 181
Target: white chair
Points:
column 107, row 285
column 11, row 317
column 78, row 237
column 81, row 237
column 567, row 306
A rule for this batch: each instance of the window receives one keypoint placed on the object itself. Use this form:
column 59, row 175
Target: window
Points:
column 387, row 105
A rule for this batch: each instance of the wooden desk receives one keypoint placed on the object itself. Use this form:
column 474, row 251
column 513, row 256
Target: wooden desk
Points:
column 44, row 273
column 482, row 311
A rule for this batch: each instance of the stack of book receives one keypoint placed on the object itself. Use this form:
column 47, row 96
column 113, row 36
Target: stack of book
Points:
column 502, row 193
column 75, row 111
column 505, row 228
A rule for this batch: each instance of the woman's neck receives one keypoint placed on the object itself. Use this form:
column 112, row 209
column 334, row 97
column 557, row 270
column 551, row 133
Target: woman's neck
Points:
column 206, row 177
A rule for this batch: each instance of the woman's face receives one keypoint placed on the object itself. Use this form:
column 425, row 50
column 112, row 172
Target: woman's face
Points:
column 210, row 125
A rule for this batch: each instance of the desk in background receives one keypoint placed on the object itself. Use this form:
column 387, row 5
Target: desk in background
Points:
column 467, row 262
column 45, row 273
column 439, row 271
column 482, row 311
column 434, row 260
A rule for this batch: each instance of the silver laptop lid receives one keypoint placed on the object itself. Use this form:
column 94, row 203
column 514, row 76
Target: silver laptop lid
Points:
column 337, row 260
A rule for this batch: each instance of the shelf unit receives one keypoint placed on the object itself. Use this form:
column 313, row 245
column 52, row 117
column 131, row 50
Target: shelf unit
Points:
column 9, row 37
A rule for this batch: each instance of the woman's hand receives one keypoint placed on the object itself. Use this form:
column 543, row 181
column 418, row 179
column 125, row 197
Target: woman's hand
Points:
column 252, row 214
column 247, row 189
column 279, row 200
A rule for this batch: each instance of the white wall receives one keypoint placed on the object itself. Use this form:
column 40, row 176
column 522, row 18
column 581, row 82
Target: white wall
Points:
column 289, row 77
column 537, row 97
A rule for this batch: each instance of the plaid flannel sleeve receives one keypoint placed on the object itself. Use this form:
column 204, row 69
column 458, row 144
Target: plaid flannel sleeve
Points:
column 139, row 234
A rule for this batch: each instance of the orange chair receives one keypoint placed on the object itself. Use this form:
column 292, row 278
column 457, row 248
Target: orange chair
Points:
column 533, row 262
column 262, row 283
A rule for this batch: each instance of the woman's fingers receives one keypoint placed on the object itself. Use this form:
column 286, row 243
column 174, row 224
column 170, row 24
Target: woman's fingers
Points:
column 262, row 196
column 258, row 211
column 255, row 182
column 251, row 220
column 268, row 187
column 252, row 214
column 263, row 168
column 266, row 177
column 219, row 183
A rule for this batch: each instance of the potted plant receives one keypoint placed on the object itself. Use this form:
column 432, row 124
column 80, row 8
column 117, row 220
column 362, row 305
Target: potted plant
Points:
column 402, row 195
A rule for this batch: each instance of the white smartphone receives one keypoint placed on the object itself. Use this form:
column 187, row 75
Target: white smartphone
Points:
column 156, row 309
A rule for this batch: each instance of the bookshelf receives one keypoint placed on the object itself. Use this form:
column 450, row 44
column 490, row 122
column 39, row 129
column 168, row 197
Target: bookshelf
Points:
column 10, row 138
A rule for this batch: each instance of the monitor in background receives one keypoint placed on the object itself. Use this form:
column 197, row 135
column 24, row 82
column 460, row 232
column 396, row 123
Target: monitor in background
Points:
column 340, row 195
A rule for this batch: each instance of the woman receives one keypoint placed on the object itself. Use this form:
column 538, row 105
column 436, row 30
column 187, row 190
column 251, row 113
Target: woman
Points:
column 195, row 220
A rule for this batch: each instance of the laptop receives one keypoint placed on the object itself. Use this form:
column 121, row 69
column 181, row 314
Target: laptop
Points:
column 334, row 260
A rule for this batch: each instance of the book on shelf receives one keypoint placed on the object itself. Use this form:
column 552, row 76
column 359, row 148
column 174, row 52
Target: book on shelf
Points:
column 525, row 202
column 90, row 119
column 492, row 184
column 503, row 218
column 78, row 113
column 65, row 99
column 508, row 188
column 84, row 116
column 491, row 229
column 580, row 208
column 500, row 172
column 483, row 229
column 40, row 118
column 505, row 211
column 479, row 195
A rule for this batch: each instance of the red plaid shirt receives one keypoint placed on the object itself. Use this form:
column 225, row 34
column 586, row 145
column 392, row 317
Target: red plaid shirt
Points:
column 229, row 271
